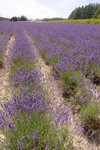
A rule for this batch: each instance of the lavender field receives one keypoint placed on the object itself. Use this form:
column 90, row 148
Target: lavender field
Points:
column 49, row 86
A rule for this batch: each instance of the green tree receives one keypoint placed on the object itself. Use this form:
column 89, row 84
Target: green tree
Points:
column 97, row 13
column 84, row 12
column 14, row 18
column 23, row 18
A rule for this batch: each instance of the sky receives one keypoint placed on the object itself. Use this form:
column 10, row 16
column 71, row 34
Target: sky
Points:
column 38, row 9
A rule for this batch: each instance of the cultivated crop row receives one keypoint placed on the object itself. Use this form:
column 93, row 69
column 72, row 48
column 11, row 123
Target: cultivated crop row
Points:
column 34, row 118
column 26, row 120
column 73, row 51
column 5, row 34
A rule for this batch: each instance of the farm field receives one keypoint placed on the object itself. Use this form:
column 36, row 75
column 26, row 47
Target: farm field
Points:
column 49, row 86
column 93, row 21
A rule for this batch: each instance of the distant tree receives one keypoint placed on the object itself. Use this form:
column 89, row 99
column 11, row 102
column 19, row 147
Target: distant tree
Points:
column 97, row 12
column 50, row 19
column 23, row 18
column 88, row 11
column 18, row 18
column 72, row 15
column 77, row 13
column 14, row 18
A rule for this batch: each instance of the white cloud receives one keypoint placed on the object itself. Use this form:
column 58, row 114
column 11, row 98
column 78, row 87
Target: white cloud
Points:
column 65, row 7
column 29, row 8
column 40, row 8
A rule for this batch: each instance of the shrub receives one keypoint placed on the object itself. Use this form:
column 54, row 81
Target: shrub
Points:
column 70, row 81
column 21, row 62
column 1, row 60
column 32, row 130
column 51, row 61
column 90, row 115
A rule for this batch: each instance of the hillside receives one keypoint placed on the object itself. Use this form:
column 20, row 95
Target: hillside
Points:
column 4, row 19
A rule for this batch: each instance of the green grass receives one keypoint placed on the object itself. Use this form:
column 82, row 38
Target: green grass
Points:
column 50, row 61
column 95, row 70
column 90, row 112
column 21, row 62
column 90, row 117
column 29, row 123
column 70, row 81
column 1, row 60
column 81, row 98
column 52, row 40
column 1, row 57
column 53, row 60
column 43, row 53
column 95, row 21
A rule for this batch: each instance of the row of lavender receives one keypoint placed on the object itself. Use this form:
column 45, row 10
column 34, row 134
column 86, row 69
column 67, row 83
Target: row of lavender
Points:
column 73, row 50
column 24, row 120
column 70, row 45
column 5, row 34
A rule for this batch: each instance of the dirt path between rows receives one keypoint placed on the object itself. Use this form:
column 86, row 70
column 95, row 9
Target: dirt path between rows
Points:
column 5, row 90
column 80, row 141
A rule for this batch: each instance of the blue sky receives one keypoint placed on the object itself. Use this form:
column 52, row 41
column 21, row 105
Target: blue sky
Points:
column 40, row 8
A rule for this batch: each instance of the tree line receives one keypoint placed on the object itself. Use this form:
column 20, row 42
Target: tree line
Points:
column 22, row 18
column 85, row 12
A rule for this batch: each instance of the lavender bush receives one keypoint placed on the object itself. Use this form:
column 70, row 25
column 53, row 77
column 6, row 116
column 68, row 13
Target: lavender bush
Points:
column 5, row 35
column 24, row 118
column 73, row 51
